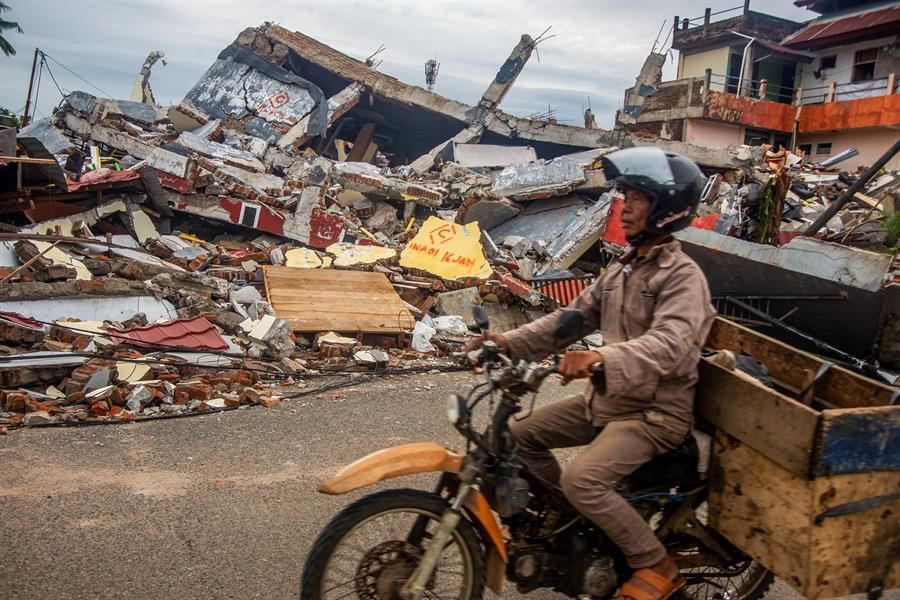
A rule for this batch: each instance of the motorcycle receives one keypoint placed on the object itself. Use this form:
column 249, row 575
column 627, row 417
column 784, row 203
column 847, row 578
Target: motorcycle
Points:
column 489, row 520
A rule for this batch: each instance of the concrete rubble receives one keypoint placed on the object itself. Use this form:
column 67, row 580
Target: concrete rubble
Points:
column 135, row 284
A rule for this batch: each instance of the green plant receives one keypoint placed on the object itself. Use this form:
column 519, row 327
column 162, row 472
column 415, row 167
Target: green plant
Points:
column 892, row 226
column 5, row 25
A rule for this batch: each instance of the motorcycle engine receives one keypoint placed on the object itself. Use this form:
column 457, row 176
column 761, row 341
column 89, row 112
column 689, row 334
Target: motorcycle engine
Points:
column 510, row 491
column 600, row 578
column 530, row 566
column 536, row 566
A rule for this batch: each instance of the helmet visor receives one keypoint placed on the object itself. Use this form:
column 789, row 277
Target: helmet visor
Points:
column 646, row 167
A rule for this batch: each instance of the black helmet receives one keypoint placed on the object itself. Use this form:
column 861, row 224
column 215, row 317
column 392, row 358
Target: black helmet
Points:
column 672, row 182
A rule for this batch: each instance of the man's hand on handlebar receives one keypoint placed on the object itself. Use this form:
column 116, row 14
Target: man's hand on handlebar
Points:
column 471, row 349
column 579, row 364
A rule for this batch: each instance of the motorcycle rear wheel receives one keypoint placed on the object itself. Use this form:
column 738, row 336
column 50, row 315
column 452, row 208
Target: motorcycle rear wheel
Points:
column 747, row 580
column 370, row 549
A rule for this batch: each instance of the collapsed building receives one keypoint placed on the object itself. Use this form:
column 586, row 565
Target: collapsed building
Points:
column 300, row 212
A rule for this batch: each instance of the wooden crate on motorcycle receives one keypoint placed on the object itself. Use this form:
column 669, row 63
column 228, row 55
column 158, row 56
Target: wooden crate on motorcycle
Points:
column 806, row 474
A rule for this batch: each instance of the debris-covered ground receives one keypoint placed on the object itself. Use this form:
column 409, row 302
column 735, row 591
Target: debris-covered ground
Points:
column 300, row 214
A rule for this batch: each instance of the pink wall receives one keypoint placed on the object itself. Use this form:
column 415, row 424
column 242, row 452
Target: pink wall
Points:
column 712, row 135
column 871, row 143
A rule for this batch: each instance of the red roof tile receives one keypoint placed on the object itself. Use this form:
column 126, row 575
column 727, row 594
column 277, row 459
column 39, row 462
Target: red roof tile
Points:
column 828, row 31
column 186, row 334
column 14, row 317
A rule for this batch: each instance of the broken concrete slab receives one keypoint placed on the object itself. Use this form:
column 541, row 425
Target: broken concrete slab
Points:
column 459, row 303
column 367, row 179
column 303, row 258
column 567, row 227
column 487, row 210
column 485, row 155
column 848, row 266
column 541, row 179
column 92, row 308
column 246, row 295
column 225, row 153
column 351, row 255
column 143, row 227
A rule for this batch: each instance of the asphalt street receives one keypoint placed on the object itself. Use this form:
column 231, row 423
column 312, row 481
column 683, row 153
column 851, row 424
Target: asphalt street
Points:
column 218, row 506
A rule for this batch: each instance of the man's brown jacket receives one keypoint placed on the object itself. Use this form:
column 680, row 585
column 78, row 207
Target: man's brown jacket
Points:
column 655, row 314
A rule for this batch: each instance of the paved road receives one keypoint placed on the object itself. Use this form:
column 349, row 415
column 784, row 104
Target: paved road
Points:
column 220, row 506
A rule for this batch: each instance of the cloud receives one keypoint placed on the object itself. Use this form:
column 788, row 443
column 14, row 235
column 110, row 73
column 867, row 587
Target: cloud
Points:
column 597, row 49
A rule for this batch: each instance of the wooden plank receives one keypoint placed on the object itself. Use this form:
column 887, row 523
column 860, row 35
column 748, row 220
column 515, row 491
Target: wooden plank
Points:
column 322, row 275
column 848, row 551
column 25, row 160
column 346, row 311
column 313, row 300
column 839, row 387
column 762, row 508
column 858, row 440
column 345, row 326
column 773, row 424
column 362, row 142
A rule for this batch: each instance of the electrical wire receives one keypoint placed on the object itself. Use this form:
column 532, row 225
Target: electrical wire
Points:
column 104, row 92
column 50, row 73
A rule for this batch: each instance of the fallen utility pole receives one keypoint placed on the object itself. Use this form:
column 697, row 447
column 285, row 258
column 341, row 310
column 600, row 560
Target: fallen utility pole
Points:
column 838, row 204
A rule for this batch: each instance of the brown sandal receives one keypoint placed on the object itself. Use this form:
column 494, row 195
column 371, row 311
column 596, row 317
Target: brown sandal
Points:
column 647, row 584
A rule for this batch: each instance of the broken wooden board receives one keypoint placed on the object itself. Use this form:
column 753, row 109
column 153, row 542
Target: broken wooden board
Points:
column 314, row 300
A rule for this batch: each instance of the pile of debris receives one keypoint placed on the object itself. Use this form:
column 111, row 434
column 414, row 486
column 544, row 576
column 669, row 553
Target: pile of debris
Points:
column 166, row 261
column 785, row 196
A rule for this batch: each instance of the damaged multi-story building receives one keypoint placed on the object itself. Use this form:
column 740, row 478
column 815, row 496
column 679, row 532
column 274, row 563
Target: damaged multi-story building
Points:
column 745, row 77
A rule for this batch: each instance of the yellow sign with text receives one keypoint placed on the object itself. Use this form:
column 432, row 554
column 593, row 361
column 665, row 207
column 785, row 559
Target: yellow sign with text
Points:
column 448, row 250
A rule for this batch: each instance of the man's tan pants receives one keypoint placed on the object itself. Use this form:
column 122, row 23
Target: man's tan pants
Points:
column 588, row 480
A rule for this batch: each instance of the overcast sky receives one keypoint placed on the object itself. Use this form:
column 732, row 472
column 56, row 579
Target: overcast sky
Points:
column 598, row 48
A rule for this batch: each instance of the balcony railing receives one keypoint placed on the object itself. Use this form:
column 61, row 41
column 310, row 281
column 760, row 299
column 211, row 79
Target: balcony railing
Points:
column 838, row 92
column 834, row 92
column 751, row 88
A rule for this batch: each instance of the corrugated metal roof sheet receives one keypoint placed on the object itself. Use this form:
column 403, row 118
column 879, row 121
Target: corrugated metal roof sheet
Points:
column 824, row 31
column 191, row 334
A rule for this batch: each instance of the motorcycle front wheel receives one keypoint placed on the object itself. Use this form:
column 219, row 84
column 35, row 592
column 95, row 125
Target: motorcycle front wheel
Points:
column 370, row 549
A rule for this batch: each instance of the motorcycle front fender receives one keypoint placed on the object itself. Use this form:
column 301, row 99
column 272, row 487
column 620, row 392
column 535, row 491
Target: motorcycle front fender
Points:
column 409, row 459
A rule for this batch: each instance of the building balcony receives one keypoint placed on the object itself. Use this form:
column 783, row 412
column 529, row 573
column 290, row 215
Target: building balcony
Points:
column 756, row 105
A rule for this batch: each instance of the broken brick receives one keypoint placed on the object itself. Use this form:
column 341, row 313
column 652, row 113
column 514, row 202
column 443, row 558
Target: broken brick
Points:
column 250, row 395
column 16, row 402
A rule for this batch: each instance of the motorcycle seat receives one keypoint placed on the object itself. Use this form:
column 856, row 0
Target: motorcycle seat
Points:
column 678, row 466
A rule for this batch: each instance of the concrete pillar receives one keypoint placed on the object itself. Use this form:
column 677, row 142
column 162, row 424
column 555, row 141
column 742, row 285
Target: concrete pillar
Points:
column 892, row 83
column 832, row 88
column 508, row 72
column 707, row 80
column 798, row 96
column 706, row 15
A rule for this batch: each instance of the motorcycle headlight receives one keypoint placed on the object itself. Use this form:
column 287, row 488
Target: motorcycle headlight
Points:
column 456, row 408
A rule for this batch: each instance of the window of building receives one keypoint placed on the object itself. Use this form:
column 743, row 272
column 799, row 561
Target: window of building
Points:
column 827, row 62
column 756, row 137
column 823, row 148
column 806, row 149
column 249, row 215
column 864, row 64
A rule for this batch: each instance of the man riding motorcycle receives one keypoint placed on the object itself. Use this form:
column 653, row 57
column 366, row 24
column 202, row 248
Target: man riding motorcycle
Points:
column 653, row 309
